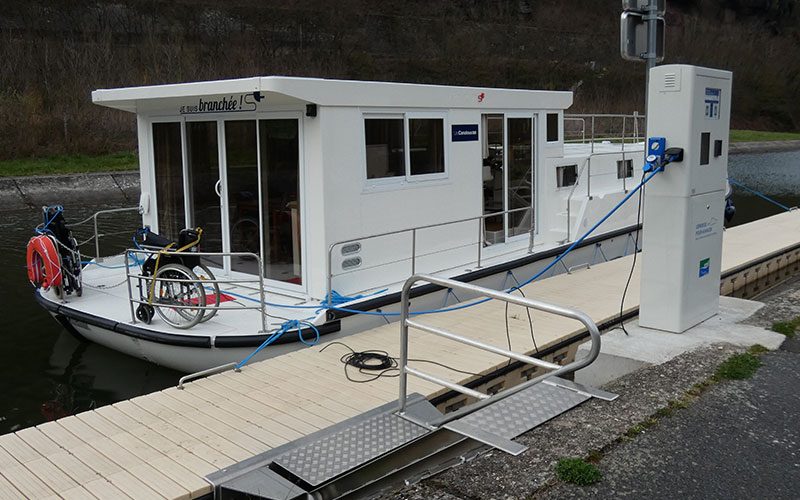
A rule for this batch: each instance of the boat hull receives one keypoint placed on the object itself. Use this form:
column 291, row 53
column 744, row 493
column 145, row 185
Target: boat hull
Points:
column 193, row 353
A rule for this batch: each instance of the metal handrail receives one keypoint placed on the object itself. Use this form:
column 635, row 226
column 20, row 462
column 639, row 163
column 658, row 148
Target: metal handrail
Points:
column 413, row 231
column 97, row 235
column 593, row 117
column 262, row 307
column 484, row 399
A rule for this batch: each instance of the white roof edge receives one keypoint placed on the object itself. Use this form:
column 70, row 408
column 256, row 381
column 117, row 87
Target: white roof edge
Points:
column 330, row 92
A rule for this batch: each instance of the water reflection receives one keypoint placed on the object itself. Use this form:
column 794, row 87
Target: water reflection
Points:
column 775, row 174
column 46, row 373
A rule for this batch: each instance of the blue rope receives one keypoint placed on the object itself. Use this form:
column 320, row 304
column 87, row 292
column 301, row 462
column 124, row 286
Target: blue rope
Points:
column 47, row 222
column 534, row 277
column 759, row 194
column 285, row 327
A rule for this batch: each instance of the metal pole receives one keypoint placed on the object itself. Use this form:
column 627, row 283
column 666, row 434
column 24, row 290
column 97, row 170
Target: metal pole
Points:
column 652, row 41
column 97, row 257
column 130, row 292
column 413, row 250
column 480, row 240
column 261, row 296
column 405, row 298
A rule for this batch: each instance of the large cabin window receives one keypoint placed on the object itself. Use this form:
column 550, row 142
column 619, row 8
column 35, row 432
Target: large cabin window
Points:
column 404, row 147
column 168, row 166
column 385, row 147
column 427, row 145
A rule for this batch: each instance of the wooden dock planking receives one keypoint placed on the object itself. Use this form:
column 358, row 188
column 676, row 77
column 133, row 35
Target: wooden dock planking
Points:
column 163, row 444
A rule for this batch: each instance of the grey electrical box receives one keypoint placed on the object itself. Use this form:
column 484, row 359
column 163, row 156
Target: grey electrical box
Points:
column 641, row 5
column 633, row 37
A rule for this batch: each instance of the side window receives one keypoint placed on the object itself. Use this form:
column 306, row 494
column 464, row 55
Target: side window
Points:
column 426, row 145
column 552, row 127
column 624, row 169
column 385, row 147
column 566, row 175
column 386, row 140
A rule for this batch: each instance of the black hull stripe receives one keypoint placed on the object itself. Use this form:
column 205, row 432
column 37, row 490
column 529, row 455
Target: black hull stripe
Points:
column 332, row 325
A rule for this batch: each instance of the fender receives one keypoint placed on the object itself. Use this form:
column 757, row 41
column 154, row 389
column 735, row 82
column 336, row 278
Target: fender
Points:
column 44, row 262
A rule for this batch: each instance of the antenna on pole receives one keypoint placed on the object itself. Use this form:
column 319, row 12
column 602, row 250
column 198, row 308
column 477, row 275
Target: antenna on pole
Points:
column 642, row 32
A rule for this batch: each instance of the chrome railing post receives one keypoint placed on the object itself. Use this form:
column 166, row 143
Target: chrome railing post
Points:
column 480, row 240
column 589, row 178
column 262, row 295
column 533, row 228
column 130, row 291
column 330, row 275
column 413, row 251
column 97, row 256
column 405, row 298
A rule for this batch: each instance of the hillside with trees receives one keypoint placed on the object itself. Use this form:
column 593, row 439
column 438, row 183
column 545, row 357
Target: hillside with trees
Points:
column 55, row 53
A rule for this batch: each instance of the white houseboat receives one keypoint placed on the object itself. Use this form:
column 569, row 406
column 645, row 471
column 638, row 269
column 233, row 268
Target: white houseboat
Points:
column 317, row 198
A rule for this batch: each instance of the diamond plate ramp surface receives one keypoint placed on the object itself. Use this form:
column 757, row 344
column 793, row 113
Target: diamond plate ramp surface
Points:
column 336, row 453
column 524, row 410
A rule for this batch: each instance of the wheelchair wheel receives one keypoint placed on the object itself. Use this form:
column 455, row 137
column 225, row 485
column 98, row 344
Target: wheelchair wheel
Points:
column 185, row 293
column 204, row 273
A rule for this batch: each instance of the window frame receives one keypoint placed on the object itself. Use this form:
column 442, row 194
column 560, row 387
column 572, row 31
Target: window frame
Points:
column 558, row 130
column 406, row 116
column 622, row 165
column 560, row 176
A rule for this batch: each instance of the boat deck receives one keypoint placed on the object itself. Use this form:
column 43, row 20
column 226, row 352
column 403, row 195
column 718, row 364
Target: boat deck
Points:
column 163, row 444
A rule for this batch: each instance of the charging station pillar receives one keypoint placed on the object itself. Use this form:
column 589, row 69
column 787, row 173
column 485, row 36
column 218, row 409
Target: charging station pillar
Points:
column 689, row 107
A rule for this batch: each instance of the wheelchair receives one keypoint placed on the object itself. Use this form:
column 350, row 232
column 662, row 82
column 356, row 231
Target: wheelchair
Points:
column 171, row 284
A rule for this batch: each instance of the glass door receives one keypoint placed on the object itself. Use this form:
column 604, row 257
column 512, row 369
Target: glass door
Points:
column 240, row 181
column 243, row 199
column 520, row 175
column 279, row 154
column 508, row 176
column 204, row 184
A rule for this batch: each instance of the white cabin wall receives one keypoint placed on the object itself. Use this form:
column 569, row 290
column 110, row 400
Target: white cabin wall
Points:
column 354, row 208
column 146, row 172
column 314, row 205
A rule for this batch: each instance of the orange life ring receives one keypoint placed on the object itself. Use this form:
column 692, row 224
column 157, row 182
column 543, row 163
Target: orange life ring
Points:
column 44, row 262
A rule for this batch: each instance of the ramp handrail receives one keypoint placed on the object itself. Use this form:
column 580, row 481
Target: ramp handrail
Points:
column 484, row 399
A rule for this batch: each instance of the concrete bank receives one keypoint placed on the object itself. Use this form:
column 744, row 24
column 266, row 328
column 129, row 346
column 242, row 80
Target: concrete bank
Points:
column 121, row 188
column 737, row 424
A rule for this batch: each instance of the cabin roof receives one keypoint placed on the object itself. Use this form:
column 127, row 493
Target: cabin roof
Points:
column 325, row 92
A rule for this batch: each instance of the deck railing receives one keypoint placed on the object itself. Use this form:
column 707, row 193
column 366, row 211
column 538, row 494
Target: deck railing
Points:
column 483, row 399
column 145, row 281
column 479, row 243
column 97, row 234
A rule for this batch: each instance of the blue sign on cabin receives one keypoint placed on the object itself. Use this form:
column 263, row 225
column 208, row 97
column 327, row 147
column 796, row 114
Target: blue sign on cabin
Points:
column 463, row 133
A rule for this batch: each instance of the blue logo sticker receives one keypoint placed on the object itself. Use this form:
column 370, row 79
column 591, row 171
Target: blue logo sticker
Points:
column 704, row 267
column 464, row 133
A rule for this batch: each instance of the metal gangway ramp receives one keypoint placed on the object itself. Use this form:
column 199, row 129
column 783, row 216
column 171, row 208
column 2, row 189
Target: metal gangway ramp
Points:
column 410, row 438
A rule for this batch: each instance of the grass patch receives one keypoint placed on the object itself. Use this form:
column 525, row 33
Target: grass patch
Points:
column 69, row 164
column 641, row 427
column 788, row 328
column 757, row 349
column 738, row 367
column 577, row 471
column 760, row 135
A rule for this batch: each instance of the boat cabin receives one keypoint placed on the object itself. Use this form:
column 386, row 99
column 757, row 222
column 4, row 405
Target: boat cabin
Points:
column 350, row 185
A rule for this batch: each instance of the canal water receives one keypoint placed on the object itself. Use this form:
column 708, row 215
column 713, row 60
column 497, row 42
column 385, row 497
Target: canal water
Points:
column 45, row 373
